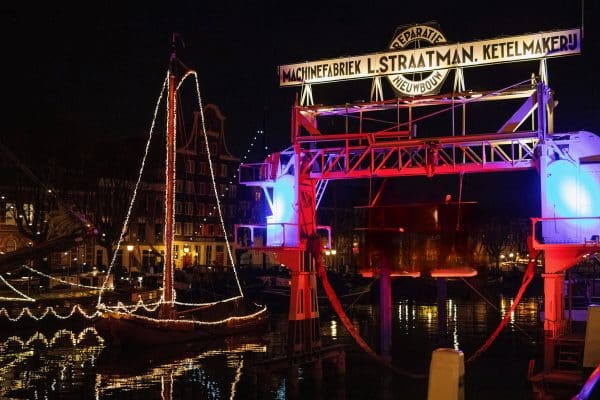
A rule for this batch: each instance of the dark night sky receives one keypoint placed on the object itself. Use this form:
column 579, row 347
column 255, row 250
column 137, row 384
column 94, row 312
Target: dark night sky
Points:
column 93, row 69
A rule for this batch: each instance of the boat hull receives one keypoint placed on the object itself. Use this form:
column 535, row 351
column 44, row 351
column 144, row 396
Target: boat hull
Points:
column 132, row 329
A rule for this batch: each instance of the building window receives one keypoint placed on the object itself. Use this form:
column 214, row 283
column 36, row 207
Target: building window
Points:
column 200, row 209
column 188, row 229
column 220, row 254
column 158, row 231
column 203, row 168
column 189, row 186
column 10, row 214
column 11, row 245
column 222, row 189
column 223, row 171
column 141, row 231
column 189, row 208
column 178, row 228
column 233, row 191
column 179, row 186
column 190, row 166
column 202, row 188
column 99, row 257
column 257, row 195
column 28, row 211
column 178, row 207
column 213, row 148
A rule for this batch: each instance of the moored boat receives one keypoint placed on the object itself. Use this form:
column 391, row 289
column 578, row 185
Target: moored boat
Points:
column 170, row 321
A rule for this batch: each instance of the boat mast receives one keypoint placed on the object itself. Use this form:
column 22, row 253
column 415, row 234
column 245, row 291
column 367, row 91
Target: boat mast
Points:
column 170, row 186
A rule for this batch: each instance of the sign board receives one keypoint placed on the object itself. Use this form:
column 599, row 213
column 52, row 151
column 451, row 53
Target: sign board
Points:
column 435, row 59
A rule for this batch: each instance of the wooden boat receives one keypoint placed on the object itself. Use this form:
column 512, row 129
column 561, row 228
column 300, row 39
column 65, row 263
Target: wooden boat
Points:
column 152, row 328
column 169, row 321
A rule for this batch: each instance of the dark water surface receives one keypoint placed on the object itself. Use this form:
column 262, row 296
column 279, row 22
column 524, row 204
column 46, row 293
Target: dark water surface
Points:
column 75, row 364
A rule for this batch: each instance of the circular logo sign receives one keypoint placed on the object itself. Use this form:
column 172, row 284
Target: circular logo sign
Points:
column 418, row 84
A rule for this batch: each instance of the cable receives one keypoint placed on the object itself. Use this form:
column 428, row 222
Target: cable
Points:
column 527, row 278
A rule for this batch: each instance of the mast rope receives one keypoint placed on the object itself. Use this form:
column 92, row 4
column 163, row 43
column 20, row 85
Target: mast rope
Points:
column 135, row 190
column 214, row 184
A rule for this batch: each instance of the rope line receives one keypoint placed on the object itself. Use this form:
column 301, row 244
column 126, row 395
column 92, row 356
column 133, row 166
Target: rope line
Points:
column 339, row 309
column 527, row 278
column 137, row 185
column 214, row 184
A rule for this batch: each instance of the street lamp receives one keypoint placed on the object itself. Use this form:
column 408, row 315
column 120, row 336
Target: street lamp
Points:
column 129, row 249
column 186, row 252
column 333, row 253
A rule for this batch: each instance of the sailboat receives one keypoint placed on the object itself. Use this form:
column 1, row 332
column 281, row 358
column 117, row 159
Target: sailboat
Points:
column 169, row 321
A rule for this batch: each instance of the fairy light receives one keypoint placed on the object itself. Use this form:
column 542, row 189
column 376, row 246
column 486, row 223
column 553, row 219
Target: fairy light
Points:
column 151, row 307
column 214, row 184
column 173, row 178
column 184, row 322
column 39, row 337
column 128, row 311
column 238, row 376
column 65, row 282
column 135, row 189
column 23, row 297
column 48, row 311
column 175, row 369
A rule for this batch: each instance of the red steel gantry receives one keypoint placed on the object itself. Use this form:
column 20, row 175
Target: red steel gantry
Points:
column 385, row 139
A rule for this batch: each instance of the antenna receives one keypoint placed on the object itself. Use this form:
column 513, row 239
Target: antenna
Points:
column 582, row 18
column 176, row 38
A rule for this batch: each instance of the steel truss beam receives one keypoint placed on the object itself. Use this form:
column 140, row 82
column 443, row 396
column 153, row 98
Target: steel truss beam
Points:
column 353, row 157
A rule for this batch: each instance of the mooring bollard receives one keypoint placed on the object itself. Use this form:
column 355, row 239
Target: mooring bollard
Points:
column 591, row 349
column 446, row 375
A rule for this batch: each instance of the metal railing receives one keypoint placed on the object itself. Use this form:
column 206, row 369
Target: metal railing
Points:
column 565, row 231
column 248, row 240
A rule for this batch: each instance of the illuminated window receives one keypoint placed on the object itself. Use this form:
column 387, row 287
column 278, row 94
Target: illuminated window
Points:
column 10, row 214
column 11, row 245
column 257, row 195
column 188, row 229
column 28, row 211
column 178, row 228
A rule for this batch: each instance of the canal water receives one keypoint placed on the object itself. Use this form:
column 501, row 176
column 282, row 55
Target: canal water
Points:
column 75, row 364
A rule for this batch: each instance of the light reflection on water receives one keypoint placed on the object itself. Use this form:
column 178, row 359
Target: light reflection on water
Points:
column 77, row 364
